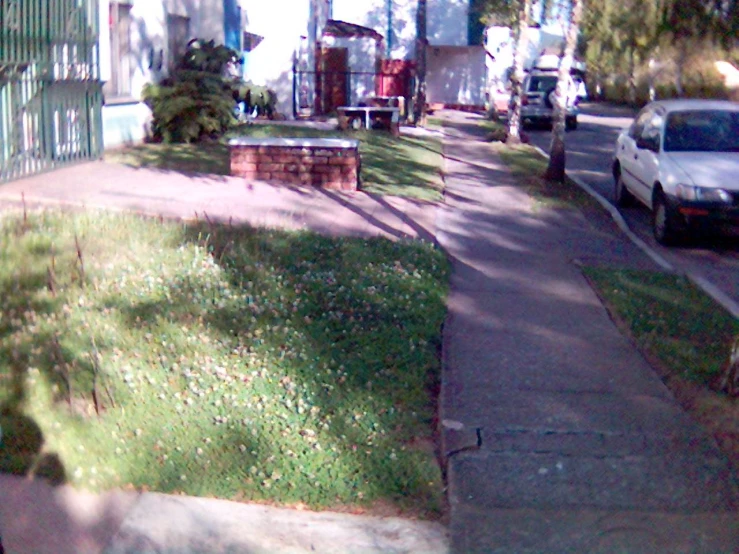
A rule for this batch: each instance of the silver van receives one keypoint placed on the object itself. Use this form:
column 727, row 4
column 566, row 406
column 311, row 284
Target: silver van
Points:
column 537, row 104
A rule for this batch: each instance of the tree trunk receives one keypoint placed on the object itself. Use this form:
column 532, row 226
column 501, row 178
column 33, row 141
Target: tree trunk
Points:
column 632, row 75
column 419, row 103
column 556, row 168
column 682, row 57
column 520, row 44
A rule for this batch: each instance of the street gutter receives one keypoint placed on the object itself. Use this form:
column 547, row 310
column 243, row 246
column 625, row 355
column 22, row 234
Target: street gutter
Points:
column 701, row 282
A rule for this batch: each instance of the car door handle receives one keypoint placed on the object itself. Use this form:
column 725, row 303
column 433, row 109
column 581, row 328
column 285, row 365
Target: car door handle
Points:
column 636, row 156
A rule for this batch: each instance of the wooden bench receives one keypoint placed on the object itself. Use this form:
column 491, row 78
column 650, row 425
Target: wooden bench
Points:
column 385, row 102
column 369, row 117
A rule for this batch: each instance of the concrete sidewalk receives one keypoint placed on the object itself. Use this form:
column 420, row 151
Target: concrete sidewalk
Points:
column 559, row 436
column 172, row 194
column 36, row 518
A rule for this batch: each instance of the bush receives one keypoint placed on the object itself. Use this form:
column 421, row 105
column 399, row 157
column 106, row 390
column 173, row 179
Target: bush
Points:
column 196, row 101
column 498, row 132
column 704, row 81
column 701, row 79
column 256, row 97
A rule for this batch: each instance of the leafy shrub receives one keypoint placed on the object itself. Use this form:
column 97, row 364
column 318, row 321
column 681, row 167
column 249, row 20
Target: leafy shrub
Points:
column 196, row 101
column 498, row 132
column 256, row 97
column 704, row 81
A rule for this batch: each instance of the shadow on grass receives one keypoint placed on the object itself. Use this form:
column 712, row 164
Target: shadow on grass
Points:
column 403, row 166
column 328, row 324
column 21, row 438
column 207, row 158
column 376, row 378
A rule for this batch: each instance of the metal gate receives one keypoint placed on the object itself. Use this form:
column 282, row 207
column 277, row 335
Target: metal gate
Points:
column 50, row 88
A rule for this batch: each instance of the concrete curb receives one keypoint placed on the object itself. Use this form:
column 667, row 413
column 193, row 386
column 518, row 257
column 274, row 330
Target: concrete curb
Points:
column 701, row 282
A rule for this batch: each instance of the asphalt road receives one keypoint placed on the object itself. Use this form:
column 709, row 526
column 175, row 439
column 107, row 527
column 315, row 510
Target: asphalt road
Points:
column 589, row 157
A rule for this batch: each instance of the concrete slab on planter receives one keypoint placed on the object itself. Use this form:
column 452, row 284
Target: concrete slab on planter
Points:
column 295, row 142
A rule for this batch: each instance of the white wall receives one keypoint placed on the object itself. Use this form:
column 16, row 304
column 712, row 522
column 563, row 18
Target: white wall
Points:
column 281, row 23
column 447, row 22
column 373, row 14
column 456, row 75
column 206, row 17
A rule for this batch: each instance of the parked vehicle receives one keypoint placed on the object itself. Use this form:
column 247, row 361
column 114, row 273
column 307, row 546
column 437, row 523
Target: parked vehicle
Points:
column 537, row 103
column 680, row 158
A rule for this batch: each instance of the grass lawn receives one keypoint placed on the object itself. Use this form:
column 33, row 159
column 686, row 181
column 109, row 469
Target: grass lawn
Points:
column 528, row 167
column 670, row 318
column 263, row 366
column 401, row 166
column 686, row 336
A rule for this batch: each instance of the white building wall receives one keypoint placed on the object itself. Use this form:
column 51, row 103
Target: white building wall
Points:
column 447, row 22
column 206, row 17
column 282, row 23
column 456, row 75
column 374, row 14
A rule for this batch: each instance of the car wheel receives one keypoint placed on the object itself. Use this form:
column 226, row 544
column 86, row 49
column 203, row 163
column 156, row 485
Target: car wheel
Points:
column 663, row 222
column 571, row 123
column 623, row 197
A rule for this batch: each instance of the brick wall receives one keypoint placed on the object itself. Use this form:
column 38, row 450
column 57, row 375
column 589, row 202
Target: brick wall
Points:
column 328, row 163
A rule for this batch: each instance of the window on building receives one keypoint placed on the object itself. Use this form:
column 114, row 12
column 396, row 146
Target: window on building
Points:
column 119, row 84
column 178, row 35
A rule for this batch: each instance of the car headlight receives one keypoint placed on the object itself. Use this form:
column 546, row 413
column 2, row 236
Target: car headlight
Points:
column 703, row 194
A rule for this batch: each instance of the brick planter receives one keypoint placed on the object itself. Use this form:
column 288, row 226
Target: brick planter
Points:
column 328, row 163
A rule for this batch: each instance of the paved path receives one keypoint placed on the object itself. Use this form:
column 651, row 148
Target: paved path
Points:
column 560, row 436
column 173, row 194
column 38, row 519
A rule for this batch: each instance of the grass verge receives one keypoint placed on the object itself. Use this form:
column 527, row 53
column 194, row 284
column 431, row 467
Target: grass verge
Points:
column 685, row 335
column 211, row 360
column 528, row 167
column 400, row 166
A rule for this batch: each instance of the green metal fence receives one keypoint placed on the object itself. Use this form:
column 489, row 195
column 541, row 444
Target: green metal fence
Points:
column 50, row 89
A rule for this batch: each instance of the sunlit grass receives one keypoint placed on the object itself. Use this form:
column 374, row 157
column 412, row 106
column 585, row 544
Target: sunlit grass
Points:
column 399, row 166
column 671, row 319
column 266, row 366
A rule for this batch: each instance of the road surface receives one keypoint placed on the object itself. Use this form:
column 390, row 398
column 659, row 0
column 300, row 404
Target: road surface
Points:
column 589, row 157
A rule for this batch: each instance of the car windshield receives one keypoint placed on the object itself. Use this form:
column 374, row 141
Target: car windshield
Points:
column 702, row 131
column 541, row 83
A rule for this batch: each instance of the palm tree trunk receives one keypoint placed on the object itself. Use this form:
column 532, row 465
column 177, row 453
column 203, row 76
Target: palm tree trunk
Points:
column 514, row 122
column 556, row 168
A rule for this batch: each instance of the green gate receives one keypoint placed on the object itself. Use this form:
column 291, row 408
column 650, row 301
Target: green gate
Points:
column 50, row 88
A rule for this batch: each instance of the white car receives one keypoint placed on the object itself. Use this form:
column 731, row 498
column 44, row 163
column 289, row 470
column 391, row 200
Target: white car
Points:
column 680, row 158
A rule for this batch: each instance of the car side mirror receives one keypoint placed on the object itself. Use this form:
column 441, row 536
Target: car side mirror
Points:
column 650, row 142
